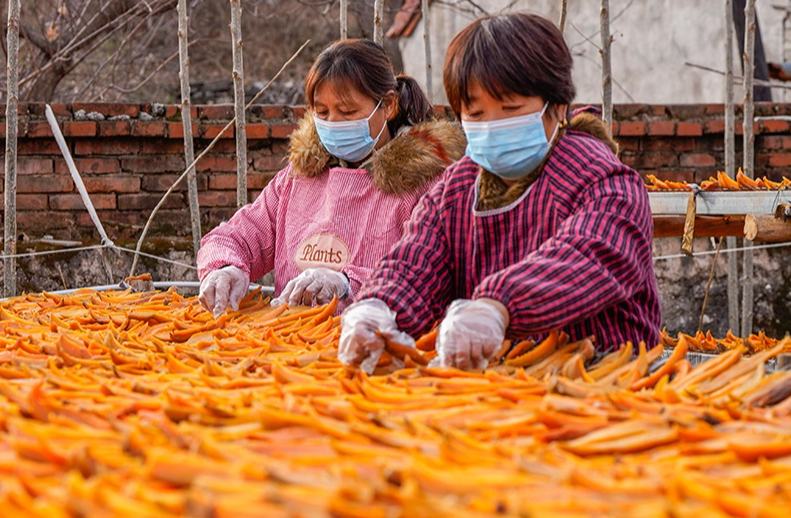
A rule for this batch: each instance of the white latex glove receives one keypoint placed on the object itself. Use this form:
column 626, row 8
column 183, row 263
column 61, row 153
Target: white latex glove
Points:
column 366, row 327
column 222, row 288
column 471, row 332
column 314, row 287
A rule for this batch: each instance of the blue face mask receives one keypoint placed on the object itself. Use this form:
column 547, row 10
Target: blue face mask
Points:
column 510, row 148
column 350, row 141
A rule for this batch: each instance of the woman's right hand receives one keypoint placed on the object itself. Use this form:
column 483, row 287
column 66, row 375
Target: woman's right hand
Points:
column 222, row 288
column 366, row 327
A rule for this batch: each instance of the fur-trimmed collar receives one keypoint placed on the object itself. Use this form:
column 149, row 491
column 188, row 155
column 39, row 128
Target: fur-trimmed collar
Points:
column 411, row 160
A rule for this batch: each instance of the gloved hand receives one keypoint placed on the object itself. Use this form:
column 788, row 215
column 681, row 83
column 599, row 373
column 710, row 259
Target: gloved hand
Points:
column 314, row 287
column 471, row 332
column 366, row 327
column 223, row 287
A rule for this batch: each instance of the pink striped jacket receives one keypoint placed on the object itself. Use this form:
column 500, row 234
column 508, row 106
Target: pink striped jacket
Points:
column 318, row 213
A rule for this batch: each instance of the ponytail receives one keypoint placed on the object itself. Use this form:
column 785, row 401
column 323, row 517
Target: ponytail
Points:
column 413, row 105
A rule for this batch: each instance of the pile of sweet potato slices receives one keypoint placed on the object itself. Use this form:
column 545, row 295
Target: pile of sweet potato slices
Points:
column 142, row 404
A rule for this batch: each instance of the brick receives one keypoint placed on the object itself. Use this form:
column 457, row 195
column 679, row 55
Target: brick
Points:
column 147, row 165
column 259, row 180
column 257, row 130
column 47, row 183
column 219, row 182
column 661, row 127
column 668, row 144
column 780, row 160
column 210, row 131
column 698, row 160
column 39, row 220
column 37, row 147
column 775, row 126
column 714, row 109
column 269, row 163
column 109, row 109
column 114, row 128
column 685, row 112
column 774, row 142
column 714, row 126
column 112, row 184
column 217, row 198
column 91, row 166
column 298, row 112
column 107, row 146
column 74, row 201
column 39, row 109
column 162, row 182
column 222, row 146
column 624, row 112
column 656, row 159
column 689, row 129
column 625, row 144
column 79, row 129
column 162, row 147
column 147, row 201
column 273, row 111
column 29, row 165
column 282, row 130
column 31, row 202
column 217, row 163
column 631, row 128
column 176, row 129
column 659, row 110
column 173, row 112
column 37, row 129
column 216, row 112
column 149, row 129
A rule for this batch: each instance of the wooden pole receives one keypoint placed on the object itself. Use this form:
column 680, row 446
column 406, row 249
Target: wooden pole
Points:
column 766, row 228
column 606, row 67
column 730, row 167
column 564, row 8
column 379, row 8
column 12, row 102
column 705, row 226
column 749, row 150
column 186, row 120
column 427, row 45
column 238, row 97
column 344, row 19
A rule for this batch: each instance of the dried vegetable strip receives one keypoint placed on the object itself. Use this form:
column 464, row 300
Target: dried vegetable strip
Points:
column 142, row 404
column 720, row 182
column 707, row 343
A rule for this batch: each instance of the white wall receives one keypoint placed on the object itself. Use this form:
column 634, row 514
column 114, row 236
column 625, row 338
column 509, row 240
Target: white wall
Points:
column 653, row 39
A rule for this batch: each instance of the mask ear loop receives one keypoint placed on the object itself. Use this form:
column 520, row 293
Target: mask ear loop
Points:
column 376, row 140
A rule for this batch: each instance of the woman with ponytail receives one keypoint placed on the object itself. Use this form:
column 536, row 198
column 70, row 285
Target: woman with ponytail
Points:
column 360, row 160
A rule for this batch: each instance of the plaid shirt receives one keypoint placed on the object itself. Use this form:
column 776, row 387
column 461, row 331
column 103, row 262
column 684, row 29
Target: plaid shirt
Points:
column 573, row 253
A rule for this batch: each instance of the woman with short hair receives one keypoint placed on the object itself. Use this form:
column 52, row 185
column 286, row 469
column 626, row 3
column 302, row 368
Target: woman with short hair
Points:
column 539, row 227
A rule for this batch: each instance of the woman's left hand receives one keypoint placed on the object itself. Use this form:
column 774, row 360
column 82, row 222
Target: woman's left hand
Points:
column 314, row 287
column 471, row 332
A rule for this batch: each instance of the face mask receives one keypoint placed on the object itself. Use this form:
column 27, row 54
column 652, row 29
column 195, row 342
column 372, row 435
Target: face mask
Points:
column 348, row 140
column 510, row 148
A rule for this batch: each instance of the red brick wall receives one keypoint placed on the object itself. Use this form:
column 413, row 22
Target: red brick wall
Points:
column 128, row 163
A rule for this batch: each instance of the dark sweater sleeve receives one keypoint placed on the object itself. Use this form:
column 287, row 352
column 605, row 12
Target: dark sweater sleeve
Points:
column 598, row 257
